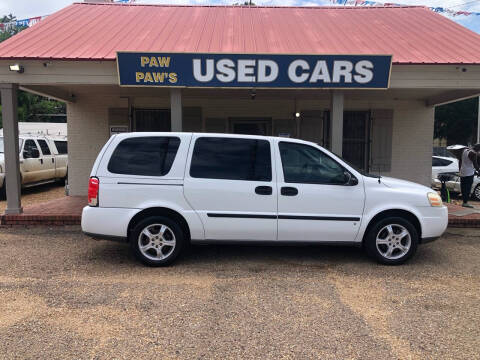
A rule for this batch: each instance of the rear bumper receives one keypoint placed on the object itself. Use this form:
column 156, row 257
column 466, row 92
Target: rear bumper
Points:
column 106, row 223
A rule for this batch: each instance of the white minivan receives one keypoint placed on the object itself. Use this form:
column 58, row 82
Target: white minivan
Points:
column 161, row 191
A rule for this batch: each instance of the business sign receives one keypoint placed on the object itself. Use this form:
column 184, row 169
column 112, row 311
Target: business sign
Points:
column 253, row 70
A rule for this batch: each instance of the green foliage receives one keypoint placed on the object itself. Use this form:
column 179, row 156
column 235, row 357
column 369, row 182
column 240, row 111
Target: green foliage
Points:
column 32, row 107
column 457, row 122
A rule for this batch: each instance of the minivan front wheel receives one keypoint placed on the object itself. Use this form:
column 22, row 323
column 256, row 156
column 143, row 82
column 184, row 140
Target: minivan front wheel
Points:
column 392, row 241
column 157, row 240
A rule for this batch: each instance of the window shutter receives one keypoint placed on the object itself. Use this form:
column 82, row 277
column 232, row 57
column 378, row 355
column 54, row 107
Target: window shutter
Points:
column 381, row 146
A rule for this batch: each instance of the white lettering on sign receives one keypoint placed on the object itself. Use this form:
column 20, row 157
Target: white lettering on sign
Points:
column 225, row 70
column 341, row 69
column 299, row 71
column 293, row 73
column 197, row 70
column 364, row 70
column 320, row 72
column 246, row 70
column 267, row 71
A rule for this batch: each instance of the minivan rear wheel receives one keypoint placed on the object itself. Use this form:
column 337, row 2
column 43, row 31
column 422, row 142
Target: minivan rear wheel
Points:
column 392, row 241
column 157, row 240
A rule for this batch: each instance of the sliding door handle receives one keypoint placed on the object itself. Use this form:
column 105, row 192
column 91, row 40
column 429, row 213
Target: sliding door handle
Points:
column 288, row 191
column 263, row 190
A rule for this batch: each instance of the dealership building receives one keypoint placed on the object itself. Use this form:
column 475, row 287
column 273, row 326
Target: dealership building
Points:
column 361, row 81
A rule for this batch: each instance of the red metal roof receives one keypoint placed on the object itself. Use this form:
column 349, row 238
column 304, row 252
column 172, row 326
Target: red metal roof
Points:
column 96, row 31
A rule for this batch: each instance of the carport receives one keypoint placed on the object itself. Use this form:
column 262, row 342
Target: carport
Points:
column 72, row 56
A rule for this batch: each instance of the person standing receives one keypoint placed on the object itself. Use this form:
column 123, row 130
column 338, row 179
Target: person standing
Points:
column 468, row 165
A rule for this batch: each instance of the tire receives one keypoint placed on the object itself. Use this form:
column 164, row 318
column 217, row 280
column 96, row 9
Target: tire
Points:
column 476, row 193
column 392, row 248
column 158, row 251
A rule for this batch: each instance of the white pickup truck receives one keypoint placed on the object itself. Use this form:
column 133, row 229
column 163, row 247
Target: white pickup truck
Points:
column 42, row 160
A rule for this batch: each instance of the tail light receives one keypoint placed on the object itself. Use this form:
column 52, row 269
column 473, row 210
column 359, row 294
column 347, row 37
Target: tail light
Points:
column 93, row 187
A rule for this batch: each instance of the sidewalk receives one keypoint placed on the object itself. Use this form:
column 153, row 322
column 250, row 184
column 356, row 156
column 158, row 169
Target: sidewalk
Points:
column 459, row 216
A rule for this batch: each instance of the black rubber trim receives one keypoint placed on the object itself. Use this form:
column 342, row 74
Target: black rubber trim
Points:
column 106, row 237
column 332, row 218
column 288, row 217
column 274, row 242
column 133, row 183
column 242, row 216
column 428, row 239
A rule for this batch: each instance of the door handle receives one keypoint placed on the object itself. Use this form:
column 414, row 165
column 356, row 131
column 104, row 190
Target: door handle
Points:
column 53, row 160
column 289, row 191
column 263, row 190
column 41, row 161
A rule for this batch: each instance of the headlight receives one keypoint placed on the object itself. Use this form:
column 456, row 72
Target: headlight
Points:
column 434, row 199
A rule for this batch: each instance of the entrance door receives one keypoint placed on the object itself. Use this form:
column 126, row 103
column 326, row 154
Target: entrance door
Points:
column 356, row 130
column 251, row 126
column 152, row 120
column 314, row 201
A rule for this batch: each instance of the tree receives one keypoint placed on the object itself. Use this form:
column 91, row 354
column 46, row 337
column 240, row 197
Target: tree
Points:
column 31, row 108
column 457, row 122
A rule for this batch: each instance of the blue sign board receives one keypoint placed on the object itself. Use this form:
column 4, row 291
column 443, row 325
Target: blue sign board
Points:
column 253, row 70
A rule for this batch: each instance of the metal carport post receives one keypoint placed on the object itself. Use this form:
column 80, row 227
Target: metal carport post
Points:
column 10, row 137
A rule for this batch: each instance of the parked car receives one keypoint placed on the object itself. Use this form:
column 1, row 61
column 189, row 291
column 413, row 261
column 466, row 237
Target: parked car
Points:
column 453, row 185
column 42, row 160
column 159, row 191
column 442, row 165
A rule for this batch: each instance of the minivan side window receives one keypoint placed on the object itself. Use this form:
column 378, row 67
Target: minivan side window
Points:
column 62, row 146
column 306, row 164
column 231, row 159
column 44, row 146
column 145, row 156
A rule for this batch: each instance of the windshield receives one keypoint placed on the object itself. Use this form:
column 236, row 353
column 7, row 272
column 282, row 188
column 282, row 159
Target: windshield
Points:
column 2, row 146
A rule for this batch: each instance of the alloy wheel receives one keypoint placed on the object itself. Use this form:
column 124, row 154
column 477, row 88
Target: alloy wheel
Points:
column 156, row 242
column 393, row 241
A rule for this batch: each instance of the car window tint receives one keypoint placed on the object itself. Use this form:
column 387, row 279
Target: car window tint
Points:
column 435, row 161
column 62, row 146
column 306, row 164
column 29, row 146
column 44, row 146
column 231, row 159
column 146, row 156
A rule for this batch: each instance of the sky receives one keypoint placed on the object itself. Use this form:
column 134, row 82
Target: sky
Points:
column 30, row 8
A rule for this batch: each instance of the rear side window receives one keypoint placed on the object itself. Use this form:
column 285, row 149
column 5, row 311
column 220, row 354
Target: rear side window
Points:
column 62, row 147
column 44, row 146
column 146, row 156
column 231, row 159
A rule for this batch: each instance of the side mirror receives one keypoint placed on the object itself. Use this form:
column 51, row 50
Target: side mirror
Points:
column 350, row 180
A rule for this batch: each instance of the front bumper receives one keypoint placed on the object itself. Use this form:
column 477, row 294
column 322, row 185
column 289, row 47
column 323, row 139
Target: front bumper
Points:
column 434, row 221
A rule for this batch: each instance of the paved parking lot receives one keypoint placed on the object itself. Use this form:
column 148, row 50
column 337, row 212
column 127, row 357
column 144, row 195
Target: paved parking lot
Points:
column 66, row 296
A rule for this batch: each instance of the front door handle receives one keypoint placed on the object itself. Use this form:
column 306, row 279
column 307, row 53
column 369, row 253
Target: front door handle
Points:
column 289, row 191
column 41, row 161
column 53, row 160
column 263, row 190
